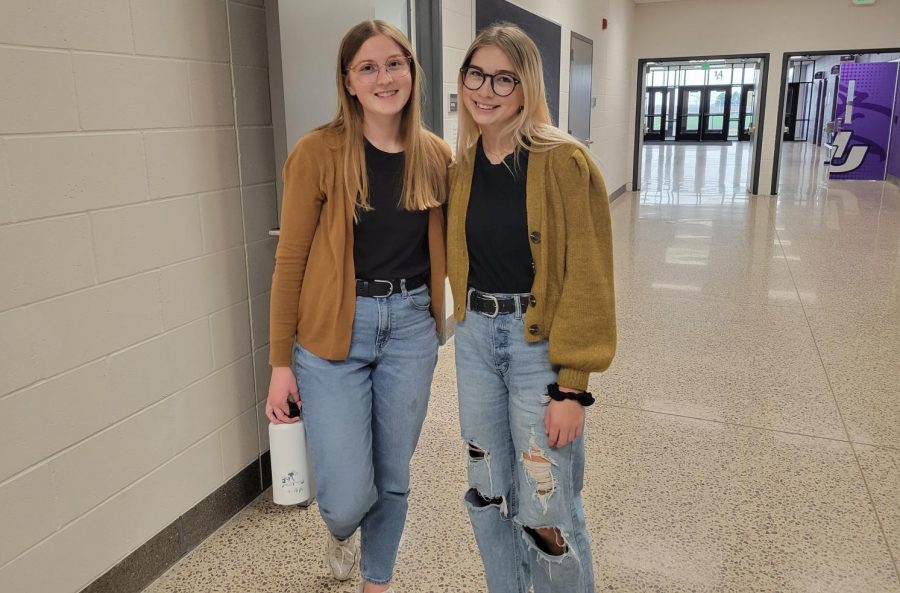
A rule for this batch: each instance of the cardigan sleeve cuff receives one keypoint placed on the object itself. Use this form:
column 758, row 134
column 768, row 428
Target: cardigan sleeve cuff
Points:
column 280, row 357
column 573, row 378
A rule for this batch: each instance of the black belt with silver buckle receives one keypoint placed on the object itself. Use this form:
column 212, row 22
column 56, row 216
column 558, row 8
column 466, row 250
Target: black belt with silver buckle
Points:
column 385, row 288
column 491, row 306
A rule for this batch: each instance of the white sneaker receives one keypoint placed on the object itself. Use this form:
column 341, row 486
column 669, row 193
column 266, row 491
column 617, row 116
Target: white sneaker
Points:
column 340, row 556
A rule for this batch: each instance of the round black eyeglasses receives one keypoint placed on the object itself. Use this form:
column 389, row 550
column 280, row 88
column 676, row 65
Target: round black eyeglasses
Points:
column 502, row 84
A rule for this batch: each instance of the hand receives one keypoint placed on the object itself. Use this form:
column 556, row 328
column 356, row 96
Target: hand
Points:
column 281, row 386
column 564, row 420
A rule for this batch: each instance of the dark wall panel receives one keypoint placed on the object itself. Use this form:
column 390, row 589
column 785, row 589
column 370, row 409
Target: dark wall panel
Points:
column 547, row 36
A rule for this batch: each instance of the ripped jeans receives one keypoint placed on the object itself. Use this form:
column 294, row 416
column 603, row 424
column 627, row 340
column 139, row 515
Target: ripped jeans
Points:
column 517, row 483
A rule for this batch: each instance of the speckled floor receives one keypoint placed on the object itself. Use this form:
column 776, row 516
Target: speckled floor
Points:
column 748, row 433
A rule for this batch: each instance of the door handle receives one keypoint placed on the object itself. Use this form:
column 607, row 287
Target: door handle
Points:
column 587, row 142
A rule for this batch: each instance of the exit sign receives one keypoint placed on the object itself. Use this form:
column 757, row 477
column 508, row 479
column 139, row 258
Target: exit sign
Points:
column 862, row 2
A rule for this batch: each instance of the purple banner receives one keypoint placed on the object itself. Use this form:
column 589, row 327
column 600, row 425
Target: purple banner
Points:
column 861, row 145
column 893, row 166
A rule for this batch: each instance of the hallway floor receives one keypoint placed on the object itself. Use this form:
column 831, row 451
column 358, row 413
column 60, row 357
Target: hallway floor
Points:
column 747, row 436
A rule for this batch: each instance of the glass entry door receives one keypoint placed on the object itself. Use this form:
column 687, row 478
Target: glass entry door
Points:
column 791, row 107
column 703, row 113
column 747, row 115
column 716, row 111
column 655, row 113
column 690, row 112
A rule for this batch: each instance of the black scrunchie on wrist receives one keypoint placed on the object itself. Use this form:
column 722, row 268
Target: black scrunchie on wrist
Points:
column 585, row 398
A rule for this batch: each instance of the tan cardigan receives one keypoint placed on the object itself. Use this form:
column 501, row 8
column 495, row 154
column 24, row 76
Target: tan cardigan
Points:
column 313, row 287
column 571, row 246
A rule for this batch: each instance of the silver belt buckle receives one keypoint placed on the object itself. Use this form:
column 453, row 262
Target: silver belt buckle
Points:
column 390, row 285
column 496, row 305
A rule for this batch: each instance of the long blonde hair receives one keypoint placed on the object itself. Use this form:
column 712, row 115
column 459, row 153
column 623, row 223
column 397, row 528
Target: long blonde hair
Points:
column 423, row 177
column 532, row 128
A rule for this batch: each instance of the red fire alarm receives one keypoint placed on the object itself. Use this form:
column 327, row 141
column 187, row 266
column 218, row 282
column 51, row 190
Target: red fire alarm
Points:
column 605, row 23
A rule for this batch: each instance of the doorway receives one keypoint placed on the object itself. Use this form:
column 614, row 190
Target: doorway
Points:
column 701, row 113
column 580, row 74
column 812, row 100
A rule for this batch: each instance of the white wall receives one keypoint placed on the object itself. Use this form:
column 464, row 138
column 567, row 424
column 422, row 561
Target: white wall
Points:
column 311, row 33
column 713, row 27
column 135, row 195
column 307, row 35
column 612, row 49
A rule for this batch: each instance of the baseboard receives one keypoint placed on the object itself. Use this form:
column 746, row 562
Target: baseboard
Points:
column 617, row 193
column 143, row 566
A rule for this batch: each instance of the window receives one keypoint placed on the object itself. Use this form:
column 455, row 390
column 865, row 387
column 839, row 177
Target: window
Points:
column 720, row 75
column 694, row 76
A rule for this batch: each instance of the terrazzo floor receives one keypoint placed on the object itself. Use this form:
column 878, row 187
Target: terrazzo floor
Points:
column 747, row 436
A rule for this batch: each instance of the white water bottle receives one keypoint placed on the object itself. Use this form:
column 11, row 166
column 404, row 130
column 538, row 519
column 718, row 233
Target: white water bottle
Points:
column 292, row 481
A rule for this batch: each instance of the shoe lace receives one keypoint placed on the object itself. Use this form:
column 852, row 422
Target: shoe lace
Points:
column 346, row 549
column 345, row 552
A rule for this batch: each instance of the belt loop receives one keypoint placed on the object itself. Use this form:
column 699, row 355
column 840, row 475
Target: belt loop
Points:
column 403, row 290
column 469, row 299
column 518, row 306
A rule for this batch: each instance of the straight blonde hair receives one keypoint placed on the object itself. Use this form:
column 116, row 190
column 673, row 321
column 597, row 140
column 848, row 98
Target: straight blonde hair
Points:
column 425, row 167
column 532, row 128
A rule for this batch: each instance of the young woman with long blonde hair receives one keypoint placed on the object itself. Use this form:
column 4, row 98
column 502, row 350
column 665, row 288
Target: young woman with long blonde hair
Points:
column 357, row 294
column 530, row 268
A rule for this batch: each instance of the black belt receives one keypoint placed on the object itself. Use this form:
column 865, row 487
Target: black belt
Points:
column 491, row 306
column 384, row 288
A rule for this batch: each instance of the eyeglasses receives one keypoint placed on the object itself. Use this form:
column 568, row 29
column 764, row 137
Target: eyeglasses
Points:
column 502, row 84
column 395, row 67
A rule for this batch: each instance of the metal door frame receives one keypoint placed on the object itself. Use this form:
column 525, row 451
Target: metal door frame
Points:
column 587, row 141
column 785, row 58
column 426, row 17
column 762, row 84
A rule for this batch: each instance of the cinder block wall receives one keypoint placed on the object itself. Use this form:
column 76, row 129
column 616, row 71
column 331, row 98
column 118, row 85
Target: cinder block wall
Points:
column 136, row 191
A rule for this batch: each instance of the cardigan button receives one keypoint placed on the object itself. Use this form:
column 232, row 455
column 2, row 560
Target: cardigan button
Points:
column 533, row 267
column 535, row 237
column 533, row 329
column 532, row 301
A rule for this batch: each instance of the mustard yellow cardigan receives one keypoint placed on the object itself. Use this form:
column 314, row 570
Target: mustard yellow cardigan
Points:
column 313, row 288
column 571, row 246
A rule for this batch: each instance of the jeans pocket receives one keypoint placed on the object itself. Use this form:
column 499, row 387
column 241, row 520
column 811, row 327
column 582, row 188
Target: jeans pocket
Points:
column 420, row 300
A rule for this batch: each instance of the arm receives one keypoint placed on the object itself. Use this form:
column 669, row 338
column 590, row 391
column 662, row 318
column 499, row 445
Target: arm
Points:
column 583, row 336
column 301, row 206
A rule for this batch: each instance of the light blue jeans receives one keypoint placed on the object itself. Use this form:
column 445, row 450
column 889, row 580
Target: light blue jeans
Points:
column 502, row 401
column 363, row 416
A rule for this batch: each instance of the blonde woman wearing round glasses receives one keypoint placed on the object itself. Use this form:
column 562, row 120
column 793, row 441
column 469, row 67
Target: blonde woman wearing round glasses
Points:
column 530, row 267
column 356, row 296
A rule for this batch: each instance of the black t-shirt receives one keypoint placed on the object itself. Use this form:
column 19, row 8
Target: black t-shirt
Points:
column 497, row 226
column 388, row 242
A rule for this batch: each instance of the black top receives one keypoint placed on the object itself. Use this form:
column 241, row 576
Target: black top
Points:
column 388, row 242
column 497, row 226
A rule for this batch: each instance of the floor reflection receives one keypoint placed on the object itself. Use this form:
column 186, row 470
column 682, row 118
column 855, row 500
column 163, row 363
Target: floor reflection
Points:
column 747, row 435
